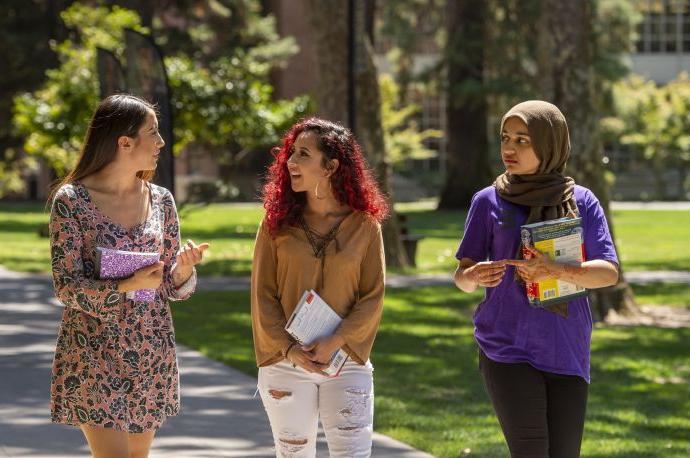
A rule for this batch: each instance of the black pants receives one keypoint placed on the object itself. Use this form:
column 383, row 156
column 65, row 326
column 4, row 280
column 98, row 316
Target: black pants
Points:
column 542, row 414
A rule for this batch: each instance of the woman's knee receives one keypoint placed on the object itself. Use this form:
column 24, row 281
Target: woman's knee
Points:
column 294, row 444
column 140, row 444
column 106, row 442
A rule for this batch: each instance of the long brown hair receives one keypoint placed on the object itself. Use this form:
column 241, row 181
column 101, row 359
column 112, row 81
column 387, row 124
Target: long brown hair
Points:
column 116, row 116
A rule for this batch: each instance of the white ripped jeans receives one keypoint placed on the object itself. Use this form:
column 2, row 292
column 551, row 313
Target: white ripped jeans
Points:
column 295, row 400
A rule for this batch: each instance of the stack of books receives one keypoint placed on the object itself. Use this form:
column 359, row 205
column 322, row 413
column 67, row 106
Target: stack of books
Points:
column 560, row 239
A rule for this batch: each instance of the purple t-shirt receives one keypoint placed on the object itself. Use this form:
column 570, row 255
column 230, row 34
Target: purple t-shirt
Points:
column 506, row 327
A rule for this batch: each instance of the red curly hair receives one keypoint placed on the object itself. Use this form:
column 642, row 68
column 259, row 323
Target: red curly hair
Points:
column 353, row 183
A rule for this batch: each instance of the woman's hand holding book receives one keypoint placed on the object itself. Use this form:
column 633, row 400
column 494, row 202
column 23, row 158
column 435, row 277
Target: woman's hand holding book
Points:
column 321, row 351
column 299, row 357
column 149, row 277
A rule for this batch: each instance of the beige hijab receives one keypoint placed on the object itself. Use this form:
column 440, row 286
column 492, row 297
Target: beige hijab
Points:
column 548, row 193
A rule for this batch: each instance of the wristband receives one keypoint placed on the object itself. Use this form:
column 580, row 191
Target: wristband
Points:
column 287, row 350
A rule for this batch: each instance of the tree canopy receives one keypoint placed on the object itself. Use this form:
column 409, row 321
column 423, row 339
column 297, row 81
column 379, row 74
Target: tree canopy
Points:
column 221, row 95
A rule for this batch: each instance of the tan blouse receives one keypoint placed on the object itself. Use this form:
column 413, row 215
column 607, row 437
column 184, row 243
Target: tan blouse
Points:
column 353, row 284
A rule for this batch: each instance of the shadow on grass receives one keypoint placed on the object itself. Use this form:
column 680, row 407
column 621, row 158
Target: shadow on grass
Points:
column 430, row 394
column 227, row 233
column 31, row 263
column 24, row 227
column 219, row 325
column 639, row 392
column 661, row 264
column 425, row 358
column 663, row 294
column 226, row 267
column 25, row 207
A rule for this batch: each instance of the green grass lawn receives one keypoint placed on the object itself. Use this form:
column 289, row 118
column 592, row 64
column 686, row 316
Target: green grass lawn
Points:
column 648, row 240
column 429, row 393
column 230, row 228
column 675, row 294
column 653, row 240
column 23, row 248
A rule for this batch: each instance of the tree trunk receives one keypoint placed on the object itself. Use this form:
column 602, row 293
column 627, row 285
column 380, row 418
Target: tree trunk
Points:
column 369, row 129
column 329, row 22
column 467, row 166
column 567, row 79
column 146, row 76
column 329, row 33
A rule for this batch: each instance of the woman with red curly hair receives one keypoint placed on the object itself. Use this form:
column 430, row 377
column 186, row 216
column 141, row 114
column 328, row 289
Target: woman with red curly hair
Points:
column 321, row 231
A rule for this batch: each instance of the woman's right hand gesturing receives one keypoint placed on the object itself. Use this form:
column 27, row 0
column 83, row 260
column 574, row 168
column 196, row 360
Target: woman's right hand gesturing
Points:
column 300, row 358
column 149, row 277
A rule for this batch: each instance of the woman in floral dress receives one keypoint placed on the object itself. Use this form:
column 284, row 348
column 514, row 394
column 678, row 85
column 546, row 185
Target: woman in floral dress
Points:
column 115, row 369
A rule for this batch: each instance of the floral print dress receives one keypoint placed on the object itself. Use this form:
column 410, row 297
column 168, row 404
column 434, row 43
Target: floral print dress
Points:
column 115, row 364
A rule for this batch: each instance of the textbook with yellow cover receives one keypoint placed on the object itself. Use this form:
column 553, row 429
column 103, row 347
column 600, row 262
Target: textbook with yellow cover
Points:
column 561, row 240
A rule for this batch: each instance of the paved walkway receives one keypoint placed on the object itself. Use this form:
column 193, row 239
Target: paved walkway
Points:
column 654, row 205
column 220, row 415
column 411, row 281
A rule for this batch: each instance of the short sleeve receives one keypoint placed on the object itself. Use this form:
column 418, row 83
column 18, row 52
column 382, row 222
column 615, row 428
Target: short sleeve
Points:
column 597, row 237
column 476, row 240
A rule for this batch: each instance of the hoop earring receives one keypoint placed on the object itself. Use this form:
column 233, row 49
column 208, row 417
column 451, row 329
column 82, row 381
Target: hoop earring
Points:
column 316, row 191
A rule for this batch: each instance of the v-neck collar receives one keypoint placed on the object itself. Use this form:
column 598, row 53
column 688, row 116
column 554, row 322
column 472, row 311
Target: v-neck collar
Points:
column 97, row 211
column 320, row 242
column 335, row 227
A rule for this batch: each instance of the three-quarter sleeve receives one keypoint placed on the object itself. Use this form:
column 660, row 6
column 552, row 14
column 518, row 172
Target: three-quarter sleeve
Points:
column 359, row 327
column 98, row 298
column 171, row 246
column 268, row 318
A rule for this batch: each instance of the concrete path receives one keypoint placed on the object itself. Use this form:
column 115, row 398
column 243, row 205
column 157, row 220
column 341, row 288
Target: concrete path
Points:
column 680, row 205
column 220, row 415
column 411, row 281
column 654, row 205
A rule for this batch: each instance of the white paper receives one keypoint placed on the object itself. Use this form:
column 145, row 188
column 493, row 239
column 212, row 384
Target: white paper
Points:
column 312, row 319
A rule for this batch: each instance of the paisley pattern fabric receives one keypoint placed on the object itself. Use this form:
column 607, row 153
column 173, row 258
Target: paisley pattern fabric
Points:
column 115, row 364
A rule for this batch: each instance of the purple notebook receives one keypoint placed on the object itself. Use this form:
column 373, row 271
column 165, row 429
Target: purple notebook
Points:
column 116, row 264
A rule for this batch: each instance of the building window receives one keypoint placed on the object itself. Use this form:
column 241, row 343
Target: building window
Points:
column 665, row 27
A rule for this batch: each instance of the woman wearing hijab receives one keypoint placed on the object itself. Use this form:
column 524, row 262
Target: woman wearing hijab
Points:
column 534, row 361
